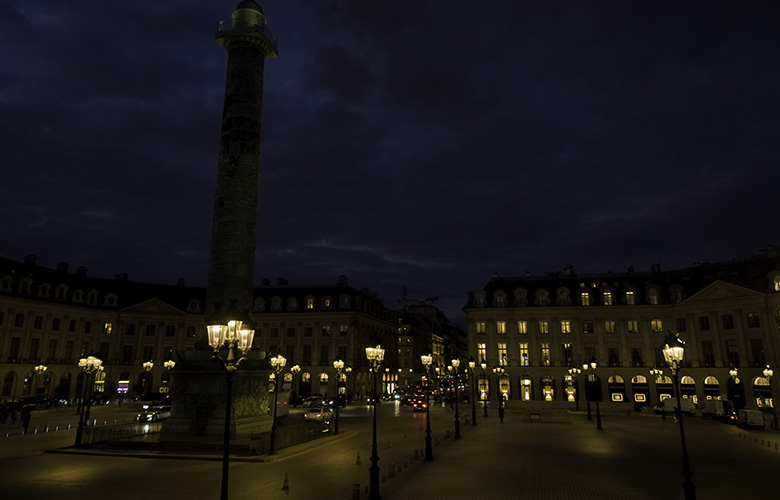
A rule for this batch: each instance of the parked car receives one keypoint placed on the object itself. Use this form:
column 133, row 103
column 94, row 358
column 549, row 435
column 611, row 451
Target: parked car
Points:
column 318, row 413
column 750, row 418
column 312, row 401
column 342, row 400
column 154, row 414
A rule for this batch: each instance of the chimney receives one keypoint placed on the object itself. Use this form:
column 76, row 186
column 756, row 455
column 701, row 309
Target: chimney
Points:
column 30, row 259
column 81, row 271
column 62, row 267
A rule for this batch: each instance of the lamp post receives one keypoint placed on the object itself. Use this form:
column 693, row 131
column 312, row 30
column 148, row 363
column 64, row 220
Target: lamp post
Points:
column 473, row 364
column 277, row 363
column 483, row 365
column 348, row 371
column 168, row 365
column 674, row 351
column 339, row 366
column 499, row 371
column 574, row 373
column 656, row 374
column 768, row 372
column 295, row 370
column 232, row 333
column 427, row 361
column 455, row 365
column 88, row 364
column 39, row 370
column 593, row 365
column 585, row 367
column 375, row 356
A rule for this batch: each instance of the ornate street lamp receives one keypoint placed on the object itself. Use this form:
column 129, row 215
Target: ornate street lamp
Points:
column 472, row 365
column 339, row 366
column 574, row 374
column 295, row 370
column 674, row 351
column 656, row 374
column 454, row 368
column 39, row 370
column 593, row 365
column 768, row 372
column 277, row 363
column 427, row 361
column 499, row 371
column 233, row 334
column 88, row 364
column 168, row 365
column 483, row 365
column 375, row 356
column 148, row 365
column 585, row 367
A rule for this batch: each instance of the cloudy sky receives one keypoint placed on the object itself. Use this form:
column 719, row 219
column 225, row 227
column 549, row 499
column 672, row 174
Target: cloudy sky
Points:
column 406, row 143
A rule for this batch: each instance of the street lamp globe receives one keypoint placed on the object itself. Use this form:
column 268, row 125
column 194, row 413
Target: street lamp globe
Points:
column 768, row 372
column 168, row 365
column 674, row 350
column 148, row 365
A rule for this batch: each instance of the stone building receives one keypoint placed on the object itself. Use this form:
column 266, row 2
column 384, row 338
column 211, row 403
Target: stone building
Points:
column 51, row 316
column 536, row 328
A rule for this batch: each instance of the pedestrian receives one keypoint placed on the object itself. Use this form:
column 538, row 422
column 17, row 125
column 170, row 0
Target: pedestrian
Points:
column 663, row 415
column 3, row 414
column 25, row 419
column 501, row 414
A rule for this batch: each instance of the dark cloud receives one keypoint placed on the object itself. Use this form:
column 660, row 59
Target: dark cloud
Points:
column 409, row 144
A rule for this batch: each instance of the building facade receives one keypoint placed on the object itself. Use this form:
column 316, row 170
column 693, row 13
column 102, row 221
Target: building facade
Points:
column 536, row 328
column 50, row 317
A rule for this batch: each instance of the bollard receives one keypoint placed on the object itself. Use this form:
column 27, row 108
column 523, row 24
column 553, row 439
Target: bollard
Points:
column 355, row 491
column 35, row 431
column 392, row 470
column 47, row 428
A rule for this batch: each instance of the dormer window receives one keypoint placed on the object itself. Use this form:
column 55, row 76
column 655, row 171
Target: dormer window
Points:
column 344, row 302
column 78, row 296
column 542, row 298
column 193, row 306
column 44, row 291
column 292, row 304
column 327, row 303
column 24, row 286
column 777, row 282
column 499, row 299
column 479, row 298
column 92, row 298
column 584, row 298
column 259, row 305
column 61, row 293
column 521, row 298
column 5, row 284
column 276, row 303
column 309, row 303
column 606, row 297
column 563, row 297
column 630, row 298
column 111, row 300
column 653, row 296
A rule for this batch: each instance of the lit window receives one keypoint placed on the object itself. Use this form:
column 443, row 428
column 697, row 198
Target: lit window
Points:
column 502, row 354
column 777, row 283
column 523, row 349
column 481, row 353
column 565, row 326
column 607, row 298
column 587, row 326
column 609, row 326
column 652, row 296
column 633, row 326
column 501, row 327
column 585, row 298
column 480, row 327
column 544, row 327
column 545, row 354
column 630, row 298
column 522, row 327
column 309, row 303
column 107, row 328
column 656, row 325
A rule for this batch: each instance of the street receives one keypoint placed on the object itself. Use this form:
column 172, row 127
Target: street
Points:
column 633, row 457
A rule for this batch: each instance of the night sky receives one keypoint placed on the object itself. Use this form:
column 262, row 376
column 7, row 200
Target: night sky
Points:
column 425, row 144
